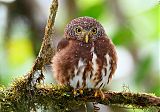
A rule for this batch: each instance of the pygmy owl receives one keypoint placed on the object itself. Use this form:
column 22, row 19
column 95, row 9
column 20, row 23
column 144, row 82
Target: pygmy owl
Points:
column 86, row 57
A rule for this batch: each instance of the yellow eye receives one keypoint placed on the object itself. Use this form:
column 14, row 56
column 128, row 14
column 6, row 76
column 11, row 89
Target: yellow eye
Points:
column 78, row 30
column 94, row 30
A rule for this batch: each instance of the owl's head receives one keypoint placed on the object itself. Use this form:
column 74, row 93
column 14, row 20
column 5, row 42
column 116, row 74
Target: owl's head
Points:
column 85, row 29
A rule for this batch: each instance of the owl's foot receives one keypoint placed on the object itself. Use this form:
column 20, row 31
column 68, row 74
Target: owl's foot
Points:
column 81, row 91
column 99, row 93
column 77, row 92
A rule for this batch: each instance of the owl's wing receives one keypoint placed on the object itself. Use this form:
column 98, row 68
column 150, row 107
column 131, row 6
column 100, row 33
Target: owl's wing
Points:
column 113, row 60
column 62, row 44
column 105, row 48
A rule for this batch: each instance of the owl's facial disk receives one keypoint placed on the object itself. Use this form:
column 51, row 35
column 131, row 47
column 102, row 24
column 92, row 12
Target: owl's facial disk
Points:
column 85, row 35
column 85, row 29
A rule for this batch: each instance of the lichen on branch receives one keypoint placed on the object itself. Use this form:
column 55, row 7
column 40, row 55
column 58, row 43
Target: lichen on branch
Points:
column 46, row 51
column 19, row 97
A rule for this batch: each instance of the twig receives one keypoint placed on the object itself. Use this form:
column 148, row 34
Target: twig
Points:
column 46, row 51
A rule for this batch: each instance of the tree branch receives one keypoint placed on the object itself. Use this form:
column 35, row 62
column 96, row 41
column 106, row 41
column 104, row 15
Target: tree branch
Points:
column 47, row 51
column 61, row 98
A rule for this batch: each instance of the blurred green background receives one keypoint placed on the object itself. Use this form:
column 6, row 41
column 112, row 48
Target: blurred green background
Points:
column 133, row 25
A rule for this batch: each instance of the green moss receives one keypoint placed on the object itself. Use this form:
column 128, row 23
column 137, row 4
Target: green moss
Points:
column 23, row 96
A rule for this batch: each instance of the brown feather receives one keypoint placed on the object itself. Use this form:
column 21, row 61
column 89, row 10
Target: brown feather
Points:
column 89, row 64
column 62, row 44
column 102, row 47
column 68, row 57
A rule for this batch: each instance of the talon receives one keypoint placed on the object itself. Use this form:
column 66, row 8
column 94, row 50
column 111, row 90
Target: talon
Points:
column 99, row 93
column 74, row 92
column 81, row 91
column 102, row 95
column 96, row 93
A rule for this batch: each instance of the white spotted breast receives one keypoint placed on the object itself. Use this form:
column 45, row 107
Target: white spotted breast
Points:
column 91, row 79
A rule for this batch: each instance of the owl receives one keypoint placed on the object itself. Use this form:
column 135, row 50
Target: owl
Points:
column 85, row 57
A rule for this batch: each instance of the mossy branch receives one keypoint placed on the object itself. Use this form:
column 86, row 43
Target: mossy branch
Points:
column 46, row 51
column 61, row 98
column 28, row 94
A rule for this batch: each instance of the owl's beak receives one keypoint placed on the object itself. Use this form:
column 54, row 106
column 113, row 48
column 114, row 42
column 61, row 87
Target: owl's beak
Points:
column 86, row 38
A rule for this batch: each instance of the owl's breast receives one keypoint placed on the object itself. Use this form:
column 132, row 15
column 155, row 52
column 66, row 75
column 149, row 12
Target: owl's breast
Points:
column 81, row 66
column 93, row 73
column 92, row 70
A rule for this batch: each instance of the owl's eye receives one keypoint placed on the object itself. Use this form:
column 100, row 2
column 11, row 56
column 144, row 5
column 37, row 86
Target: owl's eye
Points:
column 94, row 30
column 78, row 30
